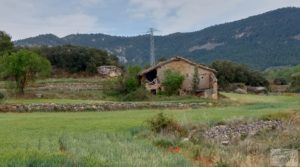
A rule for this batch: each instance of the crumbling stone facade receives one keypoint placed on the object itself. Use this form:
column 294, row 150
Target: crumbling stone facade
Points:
column 207, row 87
column 109, row 71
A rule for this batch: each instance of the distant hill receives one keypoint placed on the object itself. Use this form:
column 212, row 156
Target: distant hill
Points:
column 262, row 41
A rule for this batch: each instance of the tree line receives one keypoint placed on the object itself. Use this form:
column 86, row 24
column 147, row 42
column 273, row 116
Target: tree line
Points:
column 24, row 65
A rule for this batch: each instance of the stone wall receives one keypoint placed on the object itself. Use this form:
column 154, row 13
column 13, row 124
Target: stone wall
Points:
column 225, row 134
column 97, row 107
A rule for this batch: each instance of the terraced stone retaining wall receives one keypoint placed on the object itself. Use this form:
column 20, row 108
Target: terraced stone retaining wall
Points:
column 96, row 107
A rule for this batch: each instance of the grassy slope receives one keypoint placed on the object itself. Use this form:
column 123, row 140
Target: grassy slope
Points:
column 105, row 138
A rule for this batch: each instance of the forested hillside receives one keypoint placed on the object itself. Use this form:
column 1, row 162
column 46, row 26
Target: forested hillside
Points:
column 262, row 41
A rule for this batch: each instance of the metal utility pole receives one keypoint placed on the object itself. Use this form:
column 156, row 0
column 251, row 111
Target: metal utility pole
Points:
column 152, row 46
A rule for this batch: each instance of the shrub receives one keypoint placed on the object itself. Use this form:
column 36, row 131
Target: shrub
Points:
column 139, row 94
column 126, row 86
column 278, row 116
column 295, row 84
column 230, row 72
column 222, row 164
column 1, row 96
column 131, row 82
column 172, row 82
column 280, row 81
column 113, row 87
column 163, row 143
column 162, row 124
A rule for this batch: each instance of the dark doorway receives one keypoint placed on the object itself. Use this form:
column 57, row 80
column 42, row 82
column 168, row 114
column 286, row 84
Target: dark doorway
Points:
column 153, row 91
column 150, row 76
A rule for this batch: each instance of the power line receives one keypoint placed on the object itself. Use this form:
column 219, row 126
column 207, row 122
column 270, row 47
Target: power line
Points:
column 152, row 46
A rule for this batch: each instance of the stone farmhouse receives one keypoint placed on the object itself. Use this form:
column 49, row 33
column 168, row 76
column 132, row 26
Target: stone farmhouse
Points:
column 207, row 87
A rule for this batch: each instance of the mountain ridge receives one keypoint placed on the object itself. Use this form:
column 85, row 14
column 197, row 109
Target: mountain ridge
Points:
column 262, row 41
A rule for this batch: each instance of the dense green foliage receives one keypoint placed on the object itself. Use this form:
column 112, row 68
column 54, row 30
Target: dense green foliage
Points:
column 172, row 82
column 140, row 94
column 284, row 72
column 131, row 82
column 266, row 40
column 295, row 83
column 280, row 81
column 5, row 43
column 229, row 72
column 23, row 67
column 126, row 87
column 77, row 59
column 161, row 123
column 284, row 76
column 1, row 96
column 196, row 80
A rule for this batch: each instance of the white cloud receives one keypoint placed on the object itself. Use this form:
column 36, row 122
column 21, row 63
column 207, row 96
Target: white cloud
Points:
column 26, row 19
column 189, row 15
column 59, row 25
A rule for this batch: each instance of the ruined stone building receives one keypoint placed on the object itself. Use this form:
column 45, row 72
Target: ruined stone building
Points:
column 109, row 71
column 207, row 87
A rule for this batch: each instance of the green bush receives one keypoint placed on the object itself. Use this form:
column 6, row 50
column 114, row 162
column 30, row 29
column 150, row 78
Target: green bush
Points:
column 163, row 124
column 172, row 82
column 230, row 72
column 278, row 116
column 1, row 96
column 222, row 164
column 126, row 87
column 160, row 123
column 295, row 84
column 280, row 81
column 163, row 143
column 139, row 94
column 113, row 87
column 131, row 82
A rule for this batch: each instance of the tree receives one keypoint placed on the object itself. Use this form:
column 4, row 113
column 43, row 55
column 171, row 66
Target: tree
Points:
column 131, row 82
column 124, row 84
column 172, row 82
column 75, row 59
column 5, row 43
column 229, row 72
column 23, row 66
column 196, row 80
column 295, row 84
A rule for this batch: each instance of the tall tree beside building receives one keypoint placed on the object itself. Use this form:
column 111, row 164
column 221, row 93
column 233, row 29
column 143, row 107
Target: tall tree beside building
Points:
column 196, row 80
column 5, row 43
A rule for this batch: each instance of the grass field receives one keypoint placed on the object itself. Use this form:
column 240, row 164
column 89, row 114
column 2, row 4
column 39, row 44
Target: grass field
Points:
column 108, row 138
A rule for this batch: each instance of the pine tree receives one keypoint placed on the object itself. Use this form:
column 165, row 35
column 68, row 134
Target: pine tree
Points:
column 196, row 80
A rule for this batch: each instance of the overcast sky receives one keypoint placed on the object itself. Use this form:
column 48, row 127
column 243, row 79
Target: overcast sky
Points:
column 27, row 18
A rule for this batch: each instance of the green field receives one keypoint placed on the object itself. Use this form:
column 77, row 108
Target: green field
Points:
column 109, row 138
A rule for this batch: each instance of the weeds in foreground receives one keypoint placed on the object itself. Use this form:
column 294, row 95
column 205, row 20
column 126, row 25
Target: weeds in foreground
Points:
column 249, row 150
column 94, row 150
